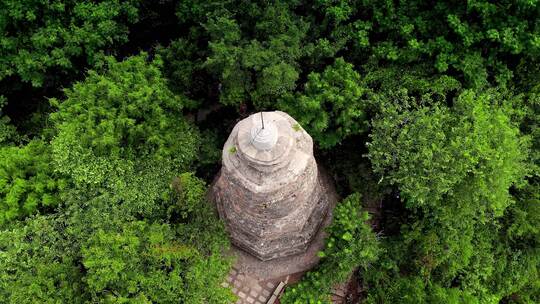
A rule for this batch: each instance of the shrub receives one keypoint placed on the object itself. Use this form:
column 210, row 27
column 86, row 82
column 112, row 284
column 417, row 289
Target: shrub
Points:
column 125, row 112
column 350, row 244
column 28, row 182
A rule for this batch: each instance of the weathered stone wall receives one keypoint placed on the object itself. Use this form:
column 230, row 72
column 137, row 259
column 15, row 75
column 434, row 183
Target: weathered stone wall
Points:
column 271, row 200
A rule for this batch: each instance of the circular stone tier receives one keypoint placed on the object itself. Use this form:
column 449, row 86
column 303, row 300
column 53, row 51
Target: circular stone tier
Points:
column 269, row 189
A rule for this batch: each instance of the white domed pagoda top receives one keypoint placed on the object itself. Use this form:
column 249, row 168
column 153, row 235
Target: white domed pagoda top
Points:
column 263, row 135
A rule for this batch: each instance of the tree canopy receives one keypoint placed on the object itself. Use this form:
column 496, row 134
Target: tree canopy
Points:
column 113, row 115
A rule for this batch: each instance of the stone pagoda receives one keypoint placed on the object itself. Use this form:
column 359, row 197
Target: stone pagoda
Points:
column 269, row 191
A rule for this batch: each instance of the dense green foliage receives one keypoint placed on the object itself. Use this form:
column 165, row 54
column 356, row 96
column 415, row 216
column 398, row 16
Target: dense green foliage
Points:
column 27, row 180
column 269, row 55
column 127, row 110
column 429, row 110
column 481, row 149
column 333, row 104
column 39, row 37
column 98, row 252
column 456, row 182
column 350, row 244
column 479, row 41
column 7, row 132
column 127, row 229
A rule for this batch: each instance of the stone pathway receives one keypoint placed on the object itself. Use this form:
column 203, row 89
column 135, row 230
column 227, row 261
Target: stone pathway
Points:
column 251, row 290
column 248, row 289
column 339, row 293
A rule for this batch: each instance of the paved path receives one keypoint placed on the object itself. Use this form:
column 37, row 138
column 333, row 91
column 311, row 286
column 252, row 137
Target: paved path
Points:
column 248, row 289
